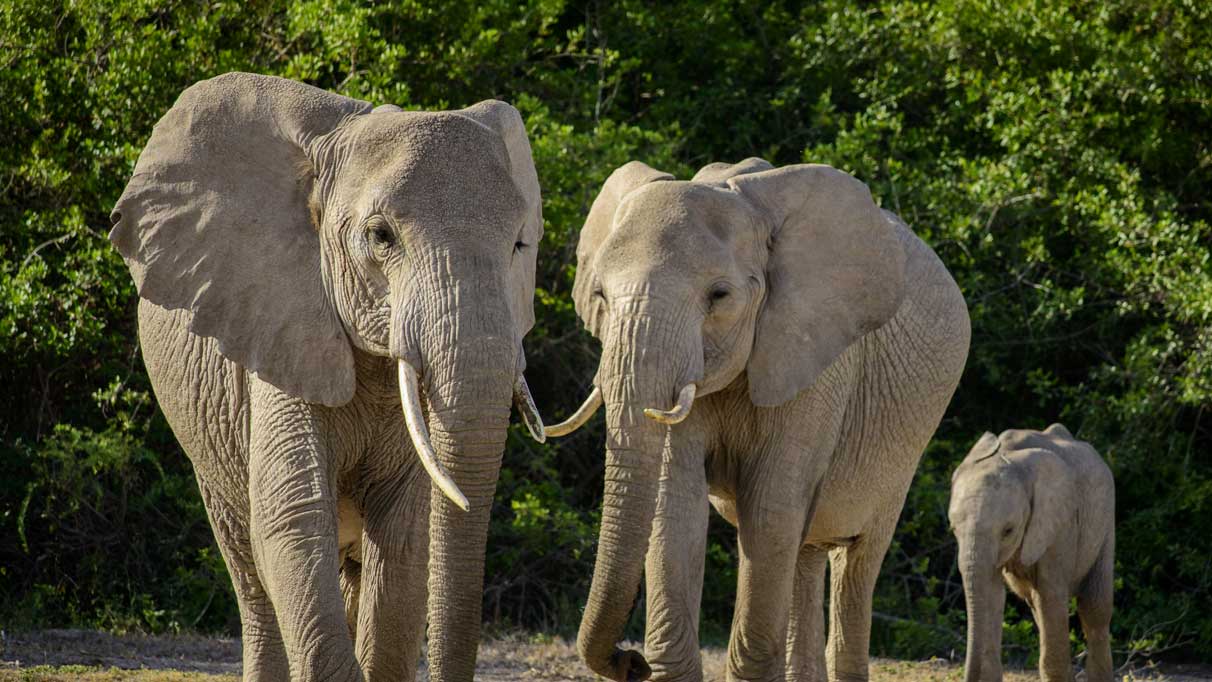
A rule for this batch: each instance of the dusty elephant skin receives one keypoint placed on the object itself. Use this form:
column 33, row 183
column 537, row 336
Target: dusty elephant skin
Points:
column 305, row 264
column 809, row 343
column 1038, row 508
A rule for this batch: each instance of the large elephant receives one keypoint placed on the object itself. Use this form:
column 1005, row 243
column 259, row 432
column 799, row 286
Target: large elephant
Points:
column 1036, row 508
column 818, row 342
column 305, row 263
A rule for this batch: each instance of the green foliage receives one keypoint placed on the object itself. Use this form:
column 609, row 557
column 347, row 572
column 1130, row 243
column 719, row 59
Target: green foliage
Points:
column 1056, row 155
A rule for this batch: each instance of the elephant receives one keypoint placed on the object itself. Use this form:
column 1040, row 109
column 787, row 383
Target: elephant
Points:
column 1041, row 513
column 307, row 266
column 813, row 343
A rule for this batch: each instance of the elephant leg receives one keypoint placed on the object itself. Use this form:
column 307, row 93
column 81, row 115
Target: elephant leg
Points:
column 1094, row 604
column 293, row 514
column 674, row 569
column 770, row 537
column 395, row 557
column 854, row 570
column 1052, row 617
column 806, row 627
column 351, row 588
column 264, row 656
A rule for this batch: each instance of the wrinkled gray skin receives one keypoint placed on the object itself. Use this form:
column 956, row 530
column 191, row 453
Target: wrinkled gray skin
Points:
column 289, row 246
column 825, row 340
column 1036, row 508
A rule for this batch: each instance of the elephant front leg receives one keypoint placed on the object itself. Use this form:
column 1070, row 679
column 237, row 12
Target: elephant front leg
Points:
column 674, row 568
column 294, row 537
column 1051, row 607
column 395, row 556
column 770, row 536
column 806, row 627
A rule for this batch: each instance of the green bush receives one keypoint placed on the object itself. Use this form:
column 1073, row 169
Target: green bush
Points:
column 1056, row 155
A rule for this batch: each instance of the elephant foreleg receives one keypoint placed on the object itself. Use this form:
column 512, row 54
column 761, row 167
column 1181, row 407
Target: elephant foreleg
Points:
column 1052, row 618
column 769, row 548
column 264, row 656
column 293, row 514
column 806, row 626
column 674, row 571
column 395, row 557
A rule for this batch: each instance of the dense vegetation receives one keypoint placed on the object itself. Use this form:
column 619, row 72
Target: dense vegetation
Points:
column 1057, row 155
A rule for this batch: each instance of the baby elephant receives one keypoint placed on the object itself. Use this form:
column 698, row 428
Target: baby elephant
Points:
column 1040, row 507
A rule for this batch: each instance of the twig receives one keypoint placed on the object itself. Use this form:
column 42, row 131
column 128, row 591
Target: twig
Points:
column 57, row 240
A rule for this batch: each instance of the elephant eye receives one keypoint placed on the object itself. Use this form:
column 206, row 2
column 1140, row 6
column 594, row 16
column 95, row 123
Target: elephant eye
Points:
column 380, row 236
column 718, row 294
column 1009, row 530
column 383, row 236
column 519, row 245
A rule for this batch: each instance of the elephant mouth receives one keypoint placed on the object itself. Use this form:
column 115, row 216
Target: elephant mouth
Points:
column 414, row 419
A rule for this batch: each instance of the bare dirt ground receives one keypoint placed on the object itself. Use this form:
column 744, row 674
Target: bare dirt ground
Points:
column 62, row 655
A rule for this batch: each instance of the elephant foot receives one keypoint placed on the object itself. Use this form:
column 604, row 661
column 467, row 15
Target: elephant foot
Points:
column 629, row 666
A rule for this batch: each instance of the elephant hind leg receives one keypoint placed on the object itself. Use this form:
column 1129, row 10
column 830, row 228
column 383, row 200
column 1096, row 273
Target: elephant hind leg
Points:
column 351, row 586
column 806, row 626
column 1094, row 605
column 853, row 572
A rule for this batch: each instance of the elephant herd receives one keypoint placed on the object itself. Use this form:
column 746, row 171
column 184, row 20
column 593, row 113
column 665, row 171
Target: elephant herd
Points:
column 774, row 346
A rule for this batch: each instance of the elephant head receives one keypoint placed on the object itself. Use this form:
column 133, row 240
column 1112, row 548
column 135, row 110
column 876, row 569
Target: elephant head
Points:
column 1009, row 497
column 746, row 272
column 299, row 227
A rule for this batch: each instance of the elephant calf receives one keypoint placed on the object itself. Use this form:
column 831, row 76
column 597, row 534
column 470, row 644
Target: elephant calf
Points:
column 1039, row 506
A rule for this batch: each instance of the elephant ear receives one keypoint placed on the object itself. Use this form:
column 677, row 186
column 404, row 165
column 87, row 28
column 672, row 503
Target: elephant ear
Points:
column 598, row 225
column 1052, row 504
column 836, row 271
column 217, row 220
column 507, row 122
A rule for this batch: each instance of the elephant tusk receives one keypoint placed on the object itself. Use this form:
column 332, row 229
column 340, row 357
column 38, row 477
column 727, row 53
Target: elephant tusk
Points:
column 411, row 400
column 679, row 411
column 530, row 413
column 578, row 418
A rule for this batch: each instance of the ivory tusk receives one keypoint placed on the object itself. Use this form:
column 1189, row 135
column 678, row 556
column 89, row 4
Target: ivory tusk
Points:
column 578, row 418
column 530, row 413
column 411, row 400
column 679, row 411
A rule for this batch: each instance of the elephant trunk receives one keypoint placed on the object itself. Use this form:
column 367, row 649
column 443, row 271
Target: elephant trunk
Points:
column 469, row 382
column 634, row 374
column 986, row 601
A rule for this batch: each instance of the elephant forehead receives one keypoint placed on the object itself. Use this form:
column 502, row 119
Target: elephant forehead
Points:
column 684, row 222
column 421, row 165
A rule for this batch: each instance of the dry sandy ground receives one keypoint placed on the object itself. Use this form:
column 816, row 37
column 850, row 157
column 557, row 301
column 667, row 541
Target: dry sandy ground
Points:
column 62, row 655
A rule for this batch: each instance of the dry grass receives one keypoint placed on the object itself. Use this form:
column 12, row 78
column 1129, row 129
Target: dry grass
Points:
column 56, row 656
column 81, row 673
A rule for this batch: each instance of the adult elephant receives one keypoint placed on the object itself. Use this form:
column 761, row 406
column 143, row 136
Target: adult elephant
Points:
column 304, row 263
column 818, row 342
